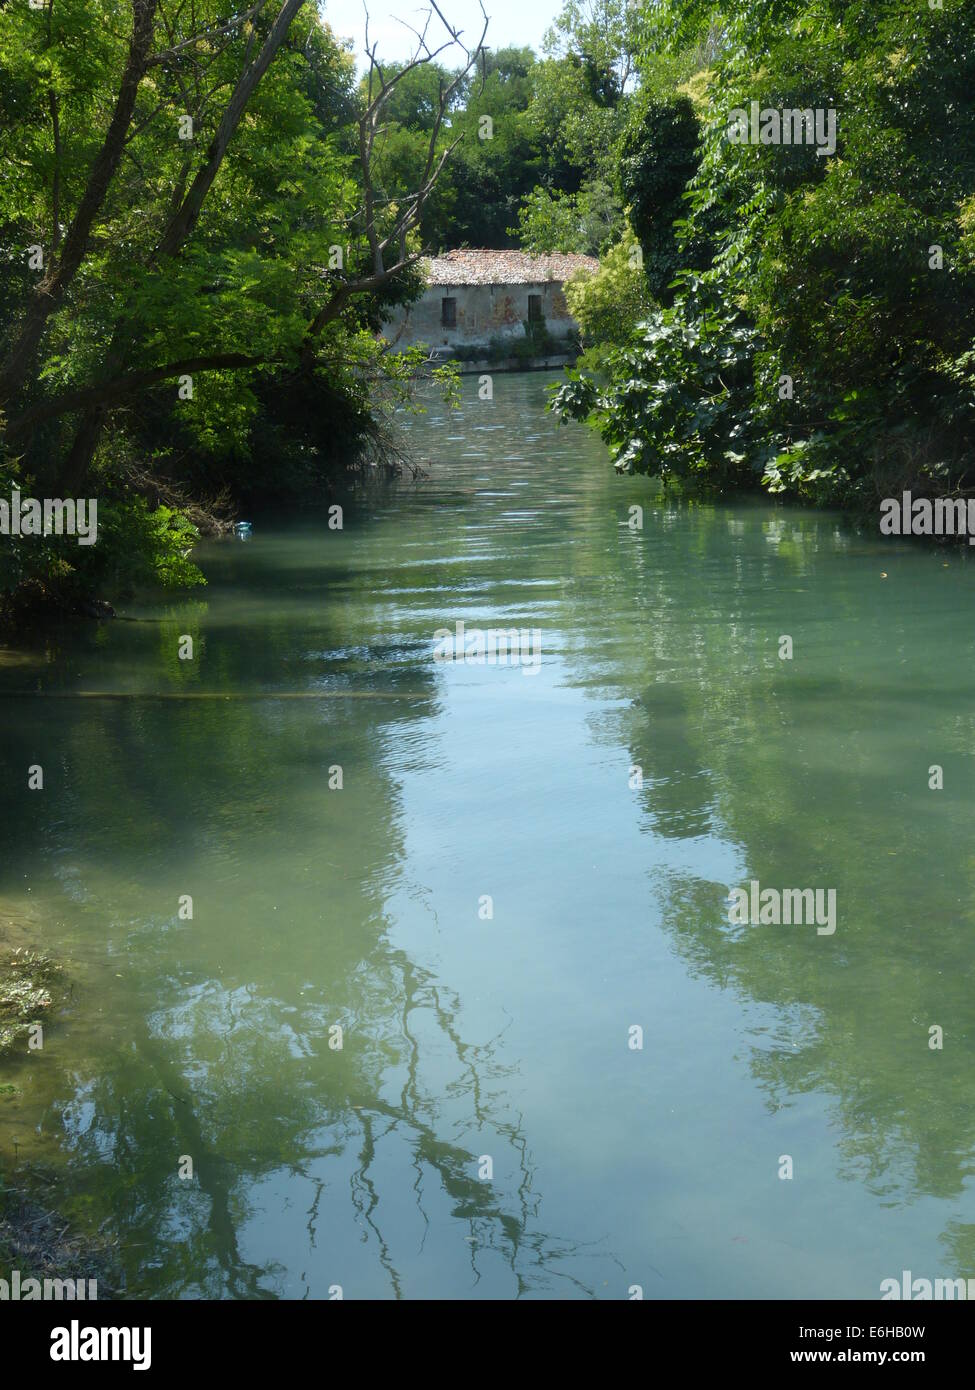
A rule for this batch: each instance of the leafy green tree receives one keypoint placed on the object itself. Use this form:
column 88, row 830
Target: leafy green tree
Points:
column 819, row 339
column 609, row 304
column 499, row 158
column 534, row 161
column 658, row 159
column 575, row 134
column 599, row 37
column 195, row 234
column 585, row 222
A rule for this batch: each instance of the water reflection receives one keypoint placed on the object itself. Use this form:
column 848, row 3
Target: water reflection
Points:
column 209, row 1038
column 315, row 907
column 817, row 771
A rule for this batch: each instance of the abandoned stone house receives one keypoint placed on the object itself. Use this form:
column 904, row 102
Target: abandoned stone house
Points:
column 474, row 297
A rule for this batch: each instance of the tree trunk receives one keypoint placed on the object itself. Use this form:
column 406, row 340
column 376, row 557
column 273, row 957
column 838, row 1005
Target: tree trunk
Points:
column 50, row 292
column 74, row 470
column 78, row 462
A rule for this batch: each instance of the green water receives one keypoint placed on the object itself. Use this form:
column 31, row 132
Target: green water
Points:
column 507, row 1037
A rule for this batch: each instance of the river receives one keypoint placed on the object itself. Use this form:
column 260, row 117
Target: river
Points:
column 399, row 1038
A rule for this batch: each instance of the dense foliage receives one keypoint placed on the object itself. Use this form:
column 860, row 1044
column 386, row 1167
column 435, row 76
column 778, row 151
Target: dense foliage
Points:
column 607, row 304
column 814, row 334
column 203, row 219
column 193, row 270
column 536, row 162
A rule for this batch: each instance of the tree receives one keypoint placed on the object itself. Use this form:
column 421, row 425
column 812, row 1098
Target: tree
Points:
column 600, row 38
column 586, row 222
column 609, row 304
column 500, row 158
column 658, row 159
column 816, row 338
column 185, row 212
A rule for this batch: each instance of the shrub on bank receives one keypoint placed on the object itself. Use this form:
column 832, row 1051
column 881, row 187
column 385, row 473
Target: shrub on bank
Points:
column 816, row 340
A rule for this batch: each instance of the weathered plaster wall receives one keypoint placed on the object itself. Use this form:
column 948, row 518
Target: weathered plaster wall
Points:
column 483, row 312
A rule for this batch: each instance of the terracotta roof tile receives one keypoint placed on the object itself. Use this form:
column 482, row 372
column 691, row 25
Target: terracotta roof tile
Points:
column 504, row 267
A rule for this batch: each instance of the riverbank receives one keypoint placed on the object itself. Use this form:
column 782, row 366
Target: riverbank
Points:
column 469, row 366
column 35, row 1239
column 36, row 1243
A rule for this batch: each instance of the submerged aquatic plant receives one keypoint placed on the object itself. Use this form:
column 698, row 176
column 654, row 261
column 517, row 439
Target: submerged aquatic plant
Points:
column 29, row 986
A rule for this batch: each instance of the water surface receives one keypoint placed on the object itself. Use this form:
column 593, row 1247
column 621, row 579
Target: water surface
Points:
column 467, row 1038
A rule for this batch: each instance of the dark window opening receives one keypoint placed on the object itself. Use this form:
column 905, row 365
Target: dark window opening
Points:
column 534, row 308
column 448, row 313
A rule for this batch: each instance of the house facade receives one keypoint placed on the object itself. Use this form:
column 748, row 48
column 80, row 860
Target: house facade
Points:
column 476, row 298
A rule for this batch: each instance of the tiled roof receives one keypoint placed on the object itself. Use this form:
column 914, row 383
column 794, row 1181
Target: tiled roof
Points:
column 504, row 267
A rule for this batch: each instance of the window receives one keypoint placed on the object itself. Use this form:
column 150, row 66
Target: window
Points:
column 448, row 313
column 534, row 308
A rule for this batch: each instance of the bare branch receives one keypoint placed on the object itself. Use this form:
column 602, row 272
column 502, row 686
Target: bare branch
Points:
column 369, row 130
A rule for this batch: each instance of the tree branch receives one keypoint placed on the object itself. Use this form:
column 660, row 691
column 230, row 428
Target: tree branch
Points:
column 187, row 214
column 111, row 392
column 205, row 35
column 50, row 291
column 434, row 163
